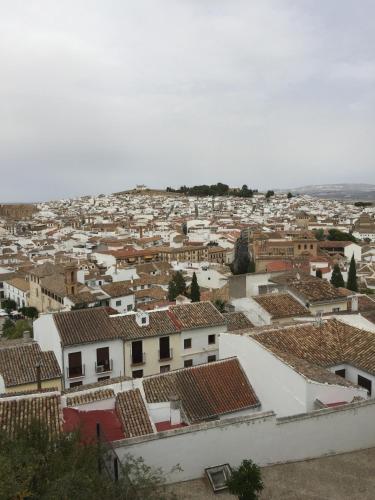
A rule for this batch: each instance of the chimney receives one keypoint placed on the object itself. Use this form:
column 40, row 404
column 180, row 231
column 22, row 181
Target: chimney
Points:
column 175, row 407
column 38, row 377
column 354, row 303
column 26, row 335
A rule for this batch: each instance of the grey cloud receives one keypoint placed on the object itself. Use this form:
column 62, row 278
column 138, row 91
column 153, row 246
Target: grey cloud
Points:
column 97, row 96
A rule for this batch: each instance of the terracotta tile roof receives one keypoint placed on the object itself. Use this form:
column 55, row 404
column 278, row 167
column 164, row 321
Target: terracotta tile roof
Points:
column 205, row 391
column 156, row 293
column 19, row 413
column 90, row 397
column 237, row 321
column 117, row 289
column 47, row 269
column 19, row 283
column 281, row 305
column 197, row 315
column 366, row 303
column 133, row 414
column 312, row 289
column 332, row 343
column 160, row 323
column 311, row 371
column 18, row 364
column 84, row 326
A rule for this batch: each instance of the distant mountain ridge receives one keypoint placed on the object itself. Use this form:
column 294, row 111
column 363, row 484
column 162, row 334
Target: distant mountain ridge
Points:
column 344, row 191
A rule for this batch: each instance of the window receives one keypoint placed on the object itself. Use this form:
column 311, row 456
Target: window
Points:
column 143, row 320
column 103, row 363
column 187, row 343
column 305, row 246
column 366, row 383
column 188, row 363
column 218, row 476
column 340, row 373
column 212, row 339
column 118, row 302
column 311, row 247
column 164, row 351
column 211, row 358
column 165, row 368
column 129, row 307
column 336, row 309
column 103, row 378
column 137, row 356
column 299, row 247
column 137, row 373
column 75, row 384
column 75, row 368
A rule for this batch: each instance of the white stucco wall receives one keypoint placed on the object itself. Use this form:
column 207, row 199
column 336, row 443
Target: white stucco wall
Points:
column 252, row 310
column 89, row 359
column 261, row 437
column 353, row 249
column 47, row 336
column 200, row 348
column 279, row 387
column 124, row 302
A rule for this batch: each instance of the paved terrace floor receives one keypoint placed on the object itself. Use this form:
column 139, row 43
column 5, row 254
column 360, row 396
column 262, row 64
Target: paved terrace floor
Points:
column 350, row 476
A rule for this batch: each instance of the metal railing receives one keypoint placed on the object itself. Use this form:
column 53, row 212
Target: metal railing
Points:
column 75, row 371
column 104, row 366
column 138, row 359
column 166, row 354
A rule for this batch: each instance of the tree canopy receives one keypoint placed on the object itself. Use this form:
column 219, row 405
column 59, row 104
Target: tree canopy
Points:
column 242, row 262
column 9, row 305
column 35, row 465
column 336, row 279
column 337, row 235
column 352, row 276
column 16, row 329
column 195, row 293
column 218, row 189
column 246, row 481
column 177, row 286
column 319, row 234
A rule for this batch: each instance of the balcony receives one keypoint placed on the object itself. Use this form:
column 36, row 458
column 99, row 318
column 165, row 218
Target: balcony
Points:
column 137, row 359
column 165, row 354
column 75, row 371
column 104, row 366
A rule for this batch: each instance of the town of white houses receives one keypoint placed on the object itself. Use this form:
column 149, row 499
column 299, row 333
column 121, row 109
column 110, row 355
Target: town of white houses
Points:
column 189, row 327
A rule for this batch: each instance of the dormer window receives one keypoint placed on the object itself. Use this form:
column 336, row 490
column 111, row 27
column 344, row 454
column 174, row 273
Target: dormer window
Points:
column 142, row 318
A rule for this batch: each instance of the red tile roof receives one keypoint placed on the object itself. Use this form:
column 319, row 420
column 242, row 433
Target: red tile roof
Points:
column 206, row 391
column 133, row 414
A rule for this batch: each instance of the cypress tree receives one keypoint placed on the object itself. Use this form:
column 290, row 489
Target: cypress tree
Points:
column 180, row 284
column 177, row 286
column 336, row 279
column 195, row 293
column 352, row 276
column 172, row 293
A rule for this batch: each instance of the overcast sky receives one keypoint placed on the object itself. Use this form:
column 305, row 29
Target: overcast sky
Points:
column 97, row 96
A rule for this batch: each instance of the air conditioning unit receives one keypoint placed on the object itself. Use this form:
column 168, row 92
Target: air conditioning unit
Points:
column 100, row 368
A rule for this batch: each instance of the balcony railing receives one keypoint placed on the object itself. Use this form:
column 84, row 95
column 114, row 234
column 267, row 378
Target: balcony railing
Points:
column 104, row 366
column 138, row 359
column 165, row 354
column 75, row 371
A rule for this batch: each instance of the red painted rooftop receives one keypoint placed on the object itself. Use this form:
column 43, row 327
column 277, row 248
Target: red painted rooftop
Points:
column 86, row 421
